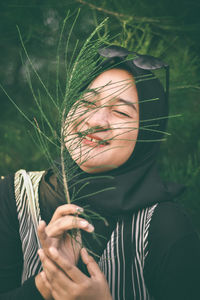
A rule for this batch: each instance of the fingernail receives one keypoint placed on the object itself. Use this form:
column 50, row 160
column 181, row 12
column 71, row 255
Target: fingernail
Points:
column 90, row 227
column 84, row 223
column 84, row 251
column 80, row 209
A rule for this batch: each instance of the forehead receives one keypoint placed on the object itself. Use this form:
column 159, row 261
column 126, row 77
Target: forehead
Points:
column 113, row 76
column 115, row 82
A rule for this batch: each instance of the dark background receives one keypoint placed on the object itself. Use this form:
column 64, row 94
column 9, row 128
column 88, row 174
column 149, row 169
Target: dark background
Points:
column 166, row 29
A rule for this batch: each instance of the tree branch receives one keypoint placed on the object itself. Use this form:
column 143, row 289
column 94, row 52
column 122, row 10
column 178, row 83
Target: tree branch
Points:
column 119, row 15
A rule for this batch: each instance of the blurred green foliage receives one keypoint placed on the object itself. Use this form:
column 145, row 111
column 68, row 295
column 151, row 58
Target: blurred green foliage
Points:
column 166, row 29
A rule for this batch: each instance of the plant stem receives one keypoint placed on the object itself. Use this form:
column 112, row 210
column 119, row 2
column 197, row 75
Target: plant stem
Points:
column 62, row 148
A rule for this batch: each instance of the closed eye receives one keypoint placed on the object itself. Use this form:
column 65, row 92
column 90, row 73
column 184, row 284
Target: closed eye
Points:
column 121, row 113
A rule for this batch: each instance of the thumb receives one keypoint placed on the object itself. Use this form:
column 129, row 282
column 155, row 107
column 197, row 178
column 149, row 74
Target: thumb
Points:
column 91, row 264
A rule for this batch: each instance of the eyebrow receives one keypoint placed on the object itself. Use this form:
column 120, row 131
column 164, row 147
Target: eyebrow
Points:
column 126, row 102
column 92, row 91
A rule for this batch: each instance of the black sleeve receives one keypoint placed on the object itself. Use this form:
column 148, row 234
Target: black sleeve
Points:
column 11, row 260
column 172, row 266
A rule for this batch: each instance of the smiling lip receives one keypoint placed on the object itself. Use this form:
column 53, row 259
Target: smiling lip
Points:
column 94, row 141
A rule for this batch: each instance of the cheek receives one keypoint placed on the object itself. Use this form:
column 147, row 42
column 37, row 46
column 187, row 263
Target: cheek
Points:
column 128, row 132
column 129, row 145
column 129, row 137
column 75, row 120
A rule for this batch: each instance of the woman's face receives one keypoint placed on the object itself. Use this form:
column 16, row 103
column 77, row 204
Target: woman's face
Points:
column 103, row 127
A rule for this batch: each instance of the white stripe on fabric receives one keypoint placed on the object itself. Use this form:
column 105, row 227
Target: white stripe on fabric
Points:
column 113, row 263
column 27, row 202
column 118, row 261
column 146, row 229
column 123, row 259
column 116, row 265
column 138, row 253
column 132, row 269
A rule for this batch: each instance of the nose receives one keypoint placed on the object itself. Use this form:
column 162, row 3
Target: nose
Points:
column 99, row 118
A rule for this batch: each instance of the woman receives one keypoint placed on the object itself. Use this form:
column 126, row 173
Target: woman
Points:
column 149, row 249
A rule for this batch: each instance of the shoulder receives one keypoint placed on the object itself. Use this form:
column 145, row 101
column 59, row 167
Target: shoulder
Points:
column 170, row 222
column 6, row 190
column 8, row 213
column 170, row 229
column 6, row 182
column 10, row 186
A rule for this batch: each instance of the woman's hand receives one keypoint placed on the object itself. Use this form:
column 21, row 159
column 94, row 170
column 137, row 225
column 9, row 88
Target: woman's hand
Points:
column 55, row 233
column 67, row 282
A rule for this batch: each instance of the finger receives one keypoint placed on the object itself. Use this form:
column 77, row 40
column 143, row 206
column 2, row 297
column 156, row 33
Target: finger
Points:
column 66, row 209
column 67, row 223
column 70, row 270
column 52, row 271
column 45, row 280
column 42, row 235
column 91, row 264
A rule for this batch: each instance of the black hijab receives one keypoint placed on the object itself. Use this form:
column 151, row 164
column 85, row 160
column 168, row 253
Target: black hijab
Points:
column 134, row 185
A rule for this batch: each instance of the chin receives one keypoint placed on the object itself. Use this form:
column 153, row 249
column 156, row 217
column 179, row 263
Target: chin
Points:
column 97, row 169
